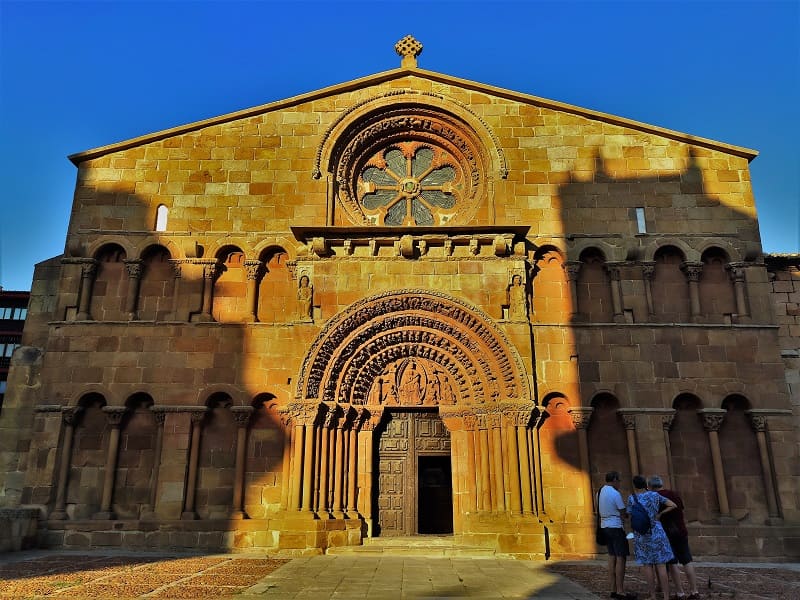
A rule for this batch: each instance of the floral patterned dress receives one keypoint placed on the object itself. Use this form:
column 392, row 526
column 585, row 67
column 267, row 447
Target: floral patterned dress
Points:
column 651, row 548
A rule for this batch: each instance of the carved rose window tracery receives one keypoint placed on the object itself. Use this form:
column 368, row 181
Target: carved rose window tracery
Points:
column 410, row 183
column 410, row 166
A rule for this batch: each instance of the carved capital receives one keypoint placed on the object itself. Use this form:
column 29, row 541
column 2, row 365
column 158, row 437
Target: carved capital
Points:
column 177, row 267
column 581, row 415
column 712, row 418
column 572, row 268
column 668, row 420
column 253, row 268
column 693, row 271
column 614, row 270
column 134, row 267
column 628, row 419
column 71, row 414
column 736, row 272
column 649, row 270
column 241, row 414
column 115, row 414
column 159, row 415
column 88, row 269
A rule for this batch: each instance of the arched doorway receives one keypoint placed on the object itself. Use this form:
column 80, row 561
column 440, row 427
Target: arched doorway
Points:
column 413, row 413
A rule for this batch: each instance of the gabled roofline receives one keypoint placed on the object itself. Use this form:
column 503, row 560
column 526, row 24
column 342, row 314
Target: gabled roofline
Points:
column 385, row 76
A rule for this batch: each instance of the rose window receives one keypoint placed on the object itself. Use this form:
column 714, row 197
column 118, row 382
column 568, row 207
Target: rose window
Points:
column 409, row 166
column 410, row 184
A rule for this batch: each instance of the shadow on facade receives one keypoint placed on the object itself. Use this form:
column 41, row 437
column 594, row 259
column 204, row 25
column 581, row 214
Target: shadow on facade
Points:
column 667, row 368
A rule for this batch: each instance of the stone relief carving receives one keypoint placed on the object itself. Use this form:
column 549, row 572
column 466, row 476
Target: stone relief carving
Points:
column 482, row 364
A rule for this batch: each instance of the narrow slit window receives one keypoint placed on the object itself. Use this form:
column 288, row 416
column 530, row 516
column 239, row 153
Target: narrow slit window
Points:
column 640, row 224
column 162, row 212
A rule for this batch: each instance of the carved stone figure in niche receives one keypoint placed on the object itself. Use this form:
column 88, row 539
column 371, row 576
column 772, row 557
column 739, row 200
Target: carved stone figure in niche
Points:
column 412, row 382
column 388, row 386
column 305, row 296
column 517, row 300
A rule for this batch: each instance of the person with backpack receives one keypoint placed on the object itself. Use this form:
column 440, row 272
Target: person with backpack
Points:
column 675, row 527
column 651, row 548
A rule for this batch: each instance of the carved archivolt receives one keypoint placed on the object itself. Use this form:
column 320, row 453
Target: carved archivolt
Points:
column 412, row 347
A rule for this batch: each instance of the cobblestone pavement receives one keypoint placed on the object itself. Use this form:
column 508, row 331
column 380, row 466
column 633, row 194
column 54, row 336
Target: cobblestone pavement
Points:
column 126, row 576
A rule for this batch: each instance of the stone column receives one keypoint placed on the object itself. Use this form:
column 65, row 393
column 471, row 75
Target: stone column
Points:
column 298, row 442
column 538, row 418
column 496, row 454
column 197, row 416
column 210, row 272
column 666, row 425
column 135, row 270
column 323, row 508
column 486, row 493
column 241, row 415
column 114, row 414
column 693, row 272
column 511, row 456
column 177, row 273
column 148, row 511
column 254, row 268
column 614, row 271
column 365, row 454
column 649, row 273
column 581, row 415
column 338, row 462
column 69, row 416
column 88, row 274
column 286, row 459
column 629, row 422
column 572, row 268
column 351, row 506
column 712, row 420
column 736, row 273
column 473, row 466
column 759, row 422
column 309, row 434
column 521, row 425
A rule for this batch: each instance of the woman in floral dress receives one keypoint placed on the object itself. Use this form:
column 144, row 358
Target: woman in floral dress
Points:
column 652, row 550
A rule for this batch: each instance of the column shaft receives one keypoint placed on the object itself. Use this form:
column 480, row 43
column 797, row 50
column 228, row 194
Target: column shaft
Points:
column 191, row 479
column 237, row 505
column 719, row 473
column 525, row 470
column 63, row 473
column 109, row 475
column 297, row 466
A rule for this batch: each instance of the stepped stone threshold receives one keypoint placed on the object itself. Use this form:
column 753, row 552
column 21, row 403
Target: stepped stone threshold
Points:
column 408, row 304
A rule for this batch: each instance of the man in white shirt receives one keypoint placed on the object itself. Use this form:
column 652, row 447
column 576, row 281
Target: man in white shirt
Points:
column 612, row 511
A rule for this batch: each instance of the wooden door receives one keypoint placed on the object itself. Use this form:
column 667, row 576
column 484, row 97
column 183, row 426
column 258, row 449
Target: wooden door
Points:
column 405, row 504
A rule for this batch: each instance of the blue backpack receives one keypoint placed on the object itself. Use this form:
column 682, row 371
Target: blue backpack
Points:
column 640, row 520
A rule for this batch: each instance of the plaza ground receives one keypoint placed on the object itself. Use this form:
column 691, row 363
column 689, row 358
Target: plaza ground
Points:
column 127, row 575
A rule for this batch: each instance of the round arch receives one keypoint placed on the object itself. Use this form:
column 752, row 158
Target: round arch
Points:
column 360, row 343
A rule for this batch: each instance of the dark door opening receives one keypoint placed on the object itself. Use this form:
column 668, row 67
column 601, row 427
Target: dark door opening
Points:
column 435, row 495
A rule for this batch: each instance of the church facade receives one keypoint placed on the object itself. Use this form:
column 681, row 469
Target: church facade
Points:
column 408, row 304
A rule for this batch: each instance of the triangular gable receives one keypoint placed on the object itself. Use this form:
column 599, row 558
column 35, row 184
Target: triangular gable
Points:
column 393, row 74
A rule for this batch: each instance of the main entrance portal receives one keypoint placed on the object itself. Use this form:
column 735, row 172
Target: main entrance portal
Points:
column 414, row 485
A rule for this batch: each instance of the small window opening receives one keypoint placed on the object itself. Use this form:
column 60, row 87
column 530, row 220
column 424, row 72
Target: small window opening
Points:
column 640, row 224
column 162, row 212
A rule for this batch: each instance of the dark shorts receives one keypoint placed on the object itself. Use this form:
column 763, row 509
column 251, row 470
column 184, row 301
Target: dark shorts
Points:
column 680, row 548
column 617, row 542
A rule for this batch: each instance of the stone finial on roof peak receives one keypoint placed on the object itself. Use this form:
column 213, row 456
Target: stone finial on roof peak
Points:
column 409, row 48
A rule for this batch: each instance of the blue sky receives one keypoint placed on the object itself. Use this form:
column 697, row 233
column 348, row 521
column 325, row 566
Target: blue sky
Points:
column 78, row 75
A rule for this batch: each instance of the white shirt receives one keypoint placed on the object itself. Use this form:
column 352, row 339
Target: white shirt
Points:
column 609, row 505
